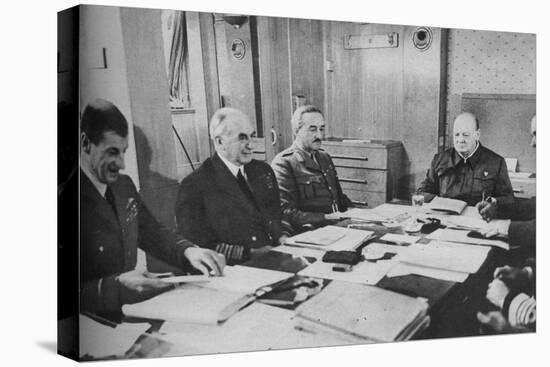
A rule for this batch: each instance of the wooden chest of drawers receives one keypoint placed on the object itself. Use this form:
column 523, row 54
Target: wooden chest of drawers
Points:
column 369, row 170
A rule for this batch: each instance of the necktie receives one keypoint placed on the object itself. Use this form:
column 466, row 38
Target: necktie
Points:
column 314, row 157
column 111, row 200
column 245, row 188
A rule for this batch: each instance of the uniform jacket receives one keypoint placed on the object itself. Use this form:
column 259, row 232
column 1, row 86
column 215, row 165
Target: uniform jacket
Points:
column 212, row 210
column 483, row 173
column 108, row 244
column 308, row 190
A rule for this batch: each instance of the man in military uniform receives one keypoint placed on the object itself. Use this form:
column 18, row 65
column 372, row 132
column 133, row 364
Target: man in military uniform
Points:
column 114, row 222
column 468, row 171
column 310, row 191
column 231, row 203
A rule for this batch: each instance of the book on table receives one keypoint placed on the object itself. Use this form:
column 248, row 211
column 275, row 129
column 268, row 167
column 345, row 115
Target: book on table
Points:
column 363, row 313
column 447, row 205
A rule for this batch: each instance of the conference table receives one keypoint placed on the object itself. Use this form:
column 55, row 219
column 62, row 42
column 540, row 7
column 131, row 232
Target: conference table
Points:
column 452, row 306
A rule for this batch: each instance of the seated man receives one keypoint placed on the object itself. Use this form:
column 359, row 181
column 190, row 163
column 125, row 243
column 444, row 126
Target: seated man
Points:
column 310, row 191
column 521, row 224
column 468, row 171
column 231, row 203
column 513, row 291
column 114, row 222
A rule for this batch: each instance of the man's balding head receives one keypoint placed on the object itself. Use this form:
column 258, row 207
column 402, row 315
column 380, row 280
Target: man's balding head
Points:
column 465, row 133
column 232, row 134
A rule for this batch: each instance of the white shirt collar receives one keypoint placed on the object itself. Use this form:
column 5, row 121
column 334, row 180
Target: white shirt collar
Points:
column 471, row 154
column 232, row 167
column 100, row 186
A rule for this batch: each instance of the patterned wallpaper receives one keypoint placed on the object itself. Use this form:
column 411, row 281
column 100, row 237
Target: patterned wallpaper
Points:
column 488, row 62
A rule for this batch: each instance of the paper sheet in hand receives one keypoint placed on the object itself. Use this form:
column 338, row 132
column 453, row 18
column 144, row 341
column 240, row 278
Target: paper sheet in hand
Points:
column 446, row 255
column 402, row 269
column 187, row 279
column 364, row 311
column 364, row 272
column 349, row 238
column 98, row 340
column 455, row 235
column 244, row 279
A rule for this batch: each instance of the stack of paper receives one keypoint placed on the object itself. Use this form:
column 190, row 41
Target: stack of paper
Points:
column 246, row 331
column 331, row 238
column 455, row 235
column 363, row 313
column 98, row 340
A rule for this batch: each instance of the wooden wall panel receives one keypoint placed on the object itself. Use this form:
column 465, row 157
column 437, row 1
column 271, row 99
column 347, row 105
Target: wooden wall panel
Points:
column 307, row 60
column 387, row 93
column 148, row 89
column 100, row 27
column 273, row 45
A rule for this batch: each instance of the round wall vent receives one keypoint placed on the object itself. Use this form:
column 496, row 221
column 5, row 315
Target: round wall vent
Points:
column 422, row 38
column 238, row 48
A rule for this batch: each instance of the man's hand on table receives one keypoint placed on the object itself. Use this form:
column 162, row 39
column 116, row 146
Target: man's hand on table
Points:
column 138, row 281
column 207, row 261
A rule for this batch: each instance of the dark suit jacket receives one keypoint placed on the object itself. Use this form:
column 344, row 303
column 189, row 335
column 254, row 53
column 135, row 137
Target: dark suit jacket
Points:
column 484, row 172
column 108, row 244
column 212, row 209
column 523, row 229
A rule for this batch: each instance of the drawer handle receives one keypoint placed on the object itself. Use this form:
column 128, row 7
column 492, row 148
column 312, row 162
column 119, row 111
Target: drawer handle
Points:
column 352, row 180
column 357, row 158
column 517, row 191
column 364, row 203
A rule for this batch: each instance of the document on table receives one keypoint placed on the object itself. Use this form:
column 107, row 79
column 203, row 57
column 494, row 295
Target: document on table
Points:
column 367, row 215
column 362, row 312
column 245, row 279
column 455, row 235
column 402, row 269
column 364, row 272
column 346, row 239
column 98, row 340
column 300, row 251
column 446, row 255
column 391, row 211
column 400, row 238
